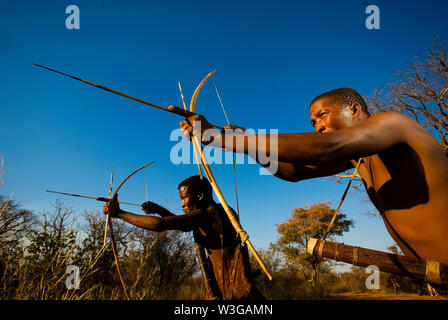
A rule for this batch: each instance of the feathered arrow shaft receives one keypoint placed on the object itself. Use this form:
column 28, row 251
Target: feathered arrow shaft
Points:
column 172, row 109
column 94, row 198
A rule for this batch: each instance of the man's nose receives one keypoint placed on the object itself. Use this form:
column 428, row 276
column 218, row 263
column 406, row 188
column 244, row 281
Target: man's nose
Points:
column 320, row 129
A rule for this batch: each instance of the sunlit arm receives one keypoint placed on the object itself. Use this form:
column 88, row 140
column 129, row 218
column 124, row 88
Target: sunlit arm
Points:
column 308, row 155
column 185, row 222
column 373, row 135
column 298, row 171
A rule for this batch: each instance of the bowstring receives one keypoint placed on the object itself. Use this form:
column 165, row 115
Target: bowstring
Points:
column 233, row 153
column 194, row 148
column 146, row 186
column 333, row 219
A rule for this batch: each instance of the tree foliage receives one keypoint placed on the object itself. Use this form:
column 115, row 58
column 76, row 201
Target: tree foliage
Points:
column 305, row 223
column 34, row 265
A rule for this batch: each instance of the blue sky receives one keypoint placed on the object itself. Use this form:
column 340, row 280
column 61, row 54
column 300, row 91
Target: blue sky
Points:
column 272, row 58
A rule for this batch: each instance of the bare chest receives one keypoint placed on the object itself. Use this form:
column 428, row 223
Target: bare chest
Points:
column 393, row 183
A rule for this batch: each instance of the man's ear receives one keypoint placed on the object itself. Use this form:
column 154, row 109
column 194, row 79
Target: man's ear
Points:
column 356, row 110
column 201, row 196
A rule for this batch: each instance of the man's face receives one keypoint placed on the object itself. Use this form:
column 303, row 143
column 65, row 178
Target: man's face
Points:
column 190, row 200
column 328, row 117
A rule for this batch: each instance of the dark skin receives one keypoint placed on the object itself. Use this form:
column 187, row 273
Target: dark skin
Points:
column 198, row 212
column 403, row 168
column 209, row 219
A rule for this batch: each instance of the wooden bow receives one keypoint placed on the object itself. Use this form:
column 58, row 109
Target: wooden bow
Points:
column 197, row 145
column 244, row 237
column 111, row 233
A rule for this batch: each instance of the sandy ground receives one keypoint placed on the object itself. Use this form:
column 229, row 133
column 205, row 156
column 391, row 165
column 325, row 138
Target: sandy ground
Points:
column 383, row 296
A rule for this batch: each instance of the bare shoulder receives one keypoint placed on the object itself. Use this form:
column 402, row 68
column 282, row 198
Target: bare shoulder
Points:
column 212, row 212
column 409, row 131
column 392, row 118
column 396, row 125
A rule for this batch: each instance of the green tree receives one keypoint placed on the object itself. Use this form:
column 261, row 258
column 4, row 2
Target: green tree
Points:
column 305, row 223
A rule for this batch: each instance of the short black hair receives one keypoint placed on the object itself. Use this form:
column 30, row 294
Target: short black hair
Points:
column 344, row 97
column 198, row 185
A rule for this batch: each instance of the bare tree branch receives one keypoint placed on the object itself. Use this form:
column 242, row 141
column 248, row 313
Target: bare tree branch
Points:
column 420, row 91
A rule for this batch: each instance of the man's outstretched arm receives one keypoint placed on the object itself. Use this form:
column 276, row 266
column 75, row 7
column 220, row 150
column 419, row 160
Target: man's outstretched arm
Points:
column 305, row 150
column 298, row 171
column 181, row 222
column 379, row 132
column 185, row 222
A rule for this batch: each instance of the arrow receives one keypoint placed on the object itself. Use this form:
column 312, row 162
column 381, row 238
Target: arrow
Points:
column 94, row 198
column 172, row 109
